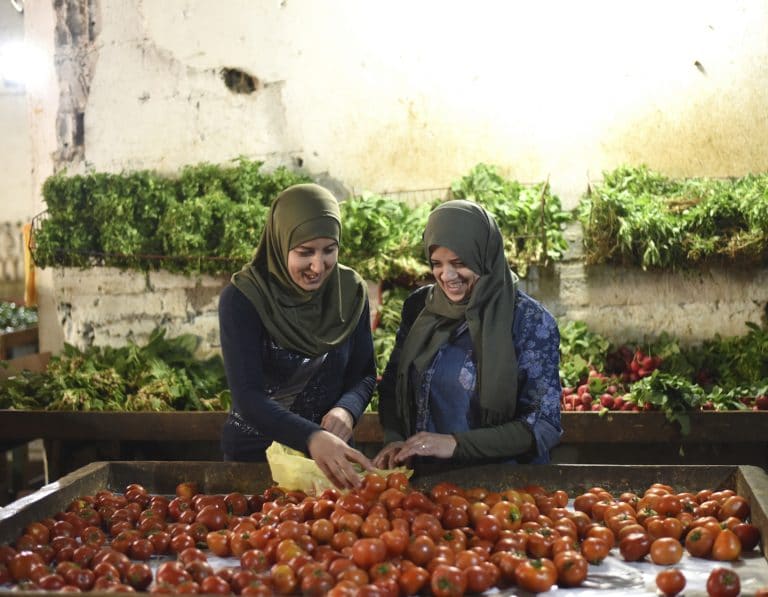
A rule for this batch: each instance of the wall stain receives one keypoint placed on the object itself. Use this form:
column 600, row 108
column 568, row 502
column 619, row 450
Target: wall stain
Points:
column 417, row 149
column 717, row 135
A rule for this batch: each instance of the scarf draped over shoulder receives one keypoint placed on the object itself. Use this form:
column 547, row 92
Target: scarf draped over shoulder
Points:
column 308, row 322
column 469, row 231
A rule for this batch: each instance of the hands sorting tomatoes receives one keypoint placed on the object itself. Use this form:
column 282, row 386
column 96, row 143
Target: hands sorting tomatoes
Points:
column 385, row 537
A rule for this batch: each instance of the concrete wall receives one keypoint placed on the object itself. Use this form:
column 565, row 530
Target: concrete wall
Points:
column 405, row 95
column 106, row 306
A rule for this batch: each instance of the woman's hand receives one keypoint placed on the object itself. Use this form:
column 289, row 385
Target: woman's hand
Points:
column 335, row 458
column 439, row 445
column 338, row 421
column 386, row 456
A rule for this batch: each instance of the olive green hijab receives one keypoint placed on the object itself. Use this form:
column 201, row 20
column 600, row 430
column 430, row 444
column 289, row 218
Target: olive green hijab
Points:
column 469, row 231
column 309, row 322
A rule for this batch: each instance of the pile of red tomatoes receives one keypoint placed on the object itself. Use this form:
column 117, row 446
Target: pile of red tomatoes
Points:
column 385, row 538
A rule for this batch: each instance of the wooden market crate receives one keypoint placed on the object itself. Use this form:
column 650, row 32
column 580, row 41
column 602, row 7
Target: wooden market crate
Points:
column 20, row 341
column 36, row 362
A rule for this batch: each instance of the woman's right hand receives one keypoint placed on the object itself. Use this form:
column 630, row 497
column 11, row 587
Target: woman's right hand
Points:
column 386, row 457
column 335, row 458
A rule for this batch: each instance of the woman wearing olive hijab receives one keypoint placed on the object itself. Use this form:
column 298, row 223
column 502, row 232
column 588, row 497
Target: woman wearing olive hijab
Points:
column 474, row 375
column 296, row 340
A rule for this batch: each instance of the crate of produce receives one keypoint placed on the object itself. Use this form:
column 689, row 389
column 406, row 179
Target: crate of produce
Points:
column 516, row 498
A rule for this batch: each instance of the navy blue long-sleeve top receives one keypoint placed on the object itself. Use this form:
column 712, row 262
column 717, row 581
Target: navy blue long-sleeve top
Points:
column 257, row 368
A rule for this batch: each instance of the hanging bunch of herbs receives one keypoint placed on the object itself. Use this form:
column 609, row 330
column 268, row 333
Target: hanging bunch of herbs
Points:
column 161, row 375
column 206, row 219
column 530, row 217
column 637, row 217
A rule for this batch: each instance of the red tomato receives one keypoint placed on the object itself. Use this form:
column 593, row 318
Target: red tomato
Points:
column 482, row 576
column 236, row 503
column 93, row 536
column 316, row 583
column 595, row 549
column 172, row 573
column 487, row 527
column 413, row 579
column 51, row 582
column 180, row 542
column 218, row 542
column 214, row 517
column 255, row 559
column 141, row 549
column 38, row 531
column 83, row 578
column 735, row 505
column 187, row 490
column 666, row 551
column 727, row 546
column 161, row 541
column 571, row 568
column 427, row 524
column 420, row 550
column 398, row 481
column 635, row 546
column 396, row 541
column 139, row 575
column 536, row 576
column 21, row 564
column 448, row 581
column 748, row 534
column 368, row 551
column 670, row 582
column 723, row 582
column 215, row 585
column 699, row 542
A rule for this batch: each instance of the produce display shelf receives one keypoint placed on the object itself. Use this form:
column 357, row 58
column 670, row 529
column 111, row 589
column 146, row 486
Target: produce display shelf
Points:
column 221, row 478
column 578, row 428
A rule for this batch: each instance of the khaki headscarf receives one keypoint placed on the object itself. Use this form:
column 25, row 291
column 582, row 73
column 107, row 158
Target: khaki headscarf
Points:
column 469, row 231
column 314, row 322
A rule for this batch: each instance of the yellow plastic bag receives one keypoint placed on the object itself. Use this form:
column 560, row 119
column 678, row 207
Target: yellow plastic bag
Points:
column 293, row 471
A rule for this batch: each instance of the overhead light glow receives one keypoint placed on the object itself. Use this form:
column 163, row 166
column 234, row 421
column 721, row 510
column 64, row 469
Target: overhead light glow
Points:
column 21, row 65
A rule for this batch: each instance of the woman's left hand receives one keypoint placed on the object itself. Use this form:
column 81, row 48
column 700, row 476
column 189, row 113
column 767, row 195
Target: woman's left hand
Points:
column 338, row 421
column 439, row 445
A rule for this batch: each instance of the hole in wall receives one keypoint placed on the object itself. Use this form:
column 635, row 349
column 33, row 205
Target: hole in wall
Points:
column 239, row 81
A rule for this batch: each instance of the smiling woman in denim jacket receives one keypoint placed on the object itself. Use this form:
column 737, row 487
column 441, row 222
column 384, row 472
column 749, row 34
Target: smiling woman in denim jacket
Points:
column 474, row 376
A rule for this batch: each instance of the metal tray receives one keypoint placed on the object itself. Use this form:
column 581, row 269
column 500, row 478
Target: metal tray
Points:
column 224, row 477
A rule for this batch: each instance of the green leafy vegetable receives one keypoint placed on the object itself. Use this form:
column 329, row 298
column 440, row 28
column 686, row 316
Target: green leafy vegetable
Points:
column 640, row 218
column 159, row 376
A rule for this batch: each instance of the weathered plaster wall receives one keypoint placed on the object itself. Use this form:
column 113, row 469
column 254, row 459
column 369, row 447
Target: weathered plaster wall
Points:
column 414, row 95
column 15, row 152
column 411, row 95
